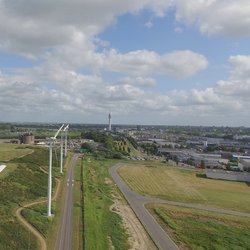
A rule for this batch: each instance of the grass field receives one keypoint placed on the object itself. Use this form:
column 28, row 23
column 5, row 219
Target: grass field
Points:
column 184, row 186
column 10, row 168
column 102, row 228
column 11, row 151
column 23, row 182
column 196, row 229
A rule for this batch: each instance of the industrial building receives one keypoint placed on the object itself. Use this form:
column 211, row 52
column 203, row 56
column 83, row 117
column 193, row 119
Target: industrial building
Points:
column 27, row 138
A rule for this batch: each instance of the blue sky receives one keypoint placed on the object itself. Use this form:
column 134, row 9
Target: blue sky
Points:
column 167, row 62
column 130, row 32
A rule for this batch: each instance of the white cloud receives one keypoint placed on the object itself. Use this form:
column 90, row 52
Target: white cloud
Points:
column 216, row 17
column 240, row 66
column 140, row 81
column 63, row 37
column 183, row 63
column 149, row 24
column 226, row 99
column 33, row 26
column 179, row 64
column 237, row 87
column 178, row 30
column 89, row 94
column 140, row 63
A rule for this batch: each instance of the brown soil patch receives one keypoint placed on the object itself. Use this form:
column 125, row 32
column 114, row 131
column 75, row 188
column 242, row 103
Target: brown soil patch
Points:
column 138, row 237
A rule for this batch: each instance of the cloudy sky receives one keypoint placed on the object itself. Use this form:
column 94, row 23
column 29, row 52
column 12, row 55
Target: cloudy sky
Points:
column 170, row 62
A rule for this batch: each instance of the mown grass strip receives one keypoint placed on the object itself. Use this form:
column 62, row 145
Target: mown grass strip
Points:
column 102, row 228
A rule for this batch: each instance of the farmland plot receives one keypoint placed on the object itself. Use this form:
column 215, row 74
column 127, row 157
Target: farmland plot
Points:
column 184, row 186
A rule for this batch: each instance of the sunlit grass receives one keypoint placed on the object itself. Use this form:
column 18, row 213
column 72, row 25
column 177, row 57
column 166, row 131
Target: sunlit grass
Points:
column 11, row 151
column 101, row 226
column 23, row 182
column 197, row 229
column 10, row 167
column 185, row 186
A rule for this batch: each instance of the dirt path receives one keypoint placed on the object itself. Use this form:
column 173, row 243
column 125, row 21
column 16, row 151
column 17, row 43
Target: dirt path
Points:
column 138, row 237
column 21, row 156
column 32, row 229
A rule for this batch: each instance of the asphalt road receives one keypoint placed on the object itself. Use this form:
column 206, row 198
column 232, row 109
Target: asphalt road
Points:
column 64, row 237
column 137, row 202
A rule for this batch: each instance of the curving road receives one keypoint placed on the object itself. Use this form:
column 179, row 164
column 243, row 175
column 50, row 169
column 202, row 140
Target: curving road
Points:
column 64, row 237
column 137, row 202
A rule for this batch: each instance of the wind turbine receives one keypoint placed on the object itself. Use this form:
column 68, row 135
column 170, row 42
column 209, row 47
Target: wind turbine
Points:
column 61, row 160
column 51, row 141
column 66, row 139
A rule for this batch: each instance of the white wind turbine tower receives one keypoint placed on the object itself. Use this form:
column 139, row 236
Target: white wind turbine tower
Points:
column 61, row 160
column 52, row 139
column 66, row 140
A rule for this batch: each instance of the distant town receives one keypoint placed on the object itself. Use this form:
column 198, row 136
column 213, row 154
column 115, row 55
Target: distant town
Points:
column 134, row 186
column 223, row 151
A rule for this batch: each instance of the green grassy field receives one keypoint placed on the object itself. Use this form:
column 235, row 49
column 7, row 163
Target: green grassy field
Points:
column 36, row 215
column 11, row 151
column 102, row 228
column 195, row 229
column 10, row 168
column 184, row 186
column 23, row 182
